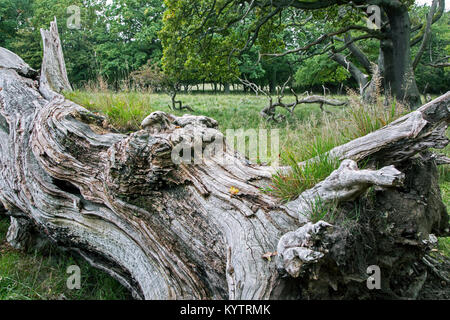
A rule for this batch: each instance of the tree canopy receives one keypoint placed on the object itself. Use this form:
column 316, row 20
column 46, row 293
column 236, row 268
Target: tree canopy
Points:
column 315, row 43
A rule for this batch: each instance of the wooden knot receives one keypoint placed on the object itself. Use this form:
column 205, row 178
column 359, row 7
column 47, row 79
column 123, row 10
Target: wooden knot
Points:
column 157, row 121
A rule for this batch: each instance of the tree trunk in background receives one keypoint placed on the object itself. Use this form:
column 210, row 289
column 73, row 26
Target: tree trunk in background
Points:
column 398, row 73
column 226, row 88
column 207, row 230
column 394, row 65
column 361, row 78
column 273, row 82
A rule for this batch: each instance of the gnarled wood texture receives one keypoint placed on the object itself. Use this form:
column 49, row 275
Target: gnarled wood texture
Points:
column 172, row 231
column 53, row 72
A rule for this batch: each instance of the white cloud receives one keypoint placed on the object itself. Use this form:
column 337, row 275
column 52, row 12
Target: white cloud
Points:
column 428, row 2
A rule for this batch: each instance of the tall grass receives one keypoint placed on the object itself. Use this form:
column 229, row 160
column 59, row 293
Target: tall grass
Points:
column 365, row 118
column 124, row 111
column 321, row 210
column 302, row 176
column 444, row 182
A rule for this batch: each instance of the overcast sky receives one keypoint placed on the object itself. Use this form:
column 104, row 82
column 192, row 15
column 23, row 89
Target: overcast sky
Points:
column 421, row 2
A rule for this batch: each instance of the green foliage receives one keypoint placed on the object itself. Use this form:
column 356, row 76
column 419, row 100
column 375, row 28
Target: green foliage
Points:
column 13, row 16
column 321, row 211
column 320, row 70
column 16, row 30
column 149, row 76
column 78, row 45
column 249, row 66
column 188, row 58
column 288, row 186
column 436, row 80
column 214, row 50
column 118, row 37
column 128, row 37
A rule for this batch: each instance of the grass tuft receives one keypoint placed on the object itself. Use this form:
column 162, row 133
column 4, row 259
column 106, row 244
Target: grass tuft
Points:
column 288, row 186
column 321, row 211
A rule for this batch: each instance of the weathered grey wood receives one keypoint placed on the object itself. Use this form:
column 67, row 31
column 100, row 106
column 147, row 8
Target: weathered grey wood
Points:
column 402, row 139
column 53, row 72
column 345, row 184
column 269, row 112
column 172, row 231
column 10, row 60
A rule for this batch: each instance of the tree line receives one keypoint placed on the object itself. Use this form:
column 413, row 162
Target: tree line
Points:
column 184, row 43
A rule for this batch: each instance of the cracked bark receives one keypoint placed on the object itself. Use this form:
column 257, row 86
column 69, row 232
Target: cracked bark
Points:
column 175, row 231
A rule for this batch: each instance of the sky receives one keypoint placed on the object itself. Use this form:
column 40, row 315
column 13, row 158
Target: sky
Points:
column 422, row 2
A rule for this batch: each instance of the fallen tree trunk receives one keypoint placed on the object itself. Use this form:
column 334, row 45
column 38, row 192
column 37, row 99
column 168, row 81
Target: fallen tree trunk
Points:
column 169, row 230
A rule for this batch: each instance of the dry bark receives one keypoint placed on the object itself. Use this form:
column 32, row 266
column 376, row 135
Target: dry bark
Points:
column 172, row 231
column 53, row 72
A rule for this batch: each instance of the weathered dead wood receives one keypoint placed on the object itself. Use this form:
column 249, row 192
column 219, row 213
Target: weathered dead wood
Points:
column 175, row 102
column 53, row 72
column 269, row 112
column 441, row 159
column 402, row 139
column 171, row 231
column 12, row 61
column 345, row 184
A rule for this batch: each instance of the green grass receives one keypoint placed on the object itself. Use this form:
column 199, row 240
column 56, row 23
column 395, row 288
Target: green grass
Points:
column 444, row 176
column 302, row 177
column 444, row 243
column 35, row 276
column 127, row 110
column 320, row 210
column 365, row 118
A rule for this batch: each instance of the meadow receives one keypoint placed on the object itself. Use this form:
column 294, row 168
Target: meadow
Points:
column 308, row 133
